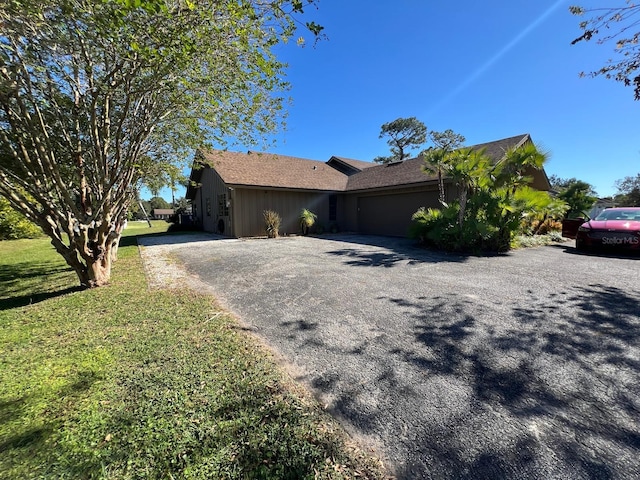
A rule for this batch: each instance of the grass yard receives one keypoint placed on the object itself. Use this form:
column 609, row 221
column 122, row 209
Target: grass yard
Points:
column 122, row 382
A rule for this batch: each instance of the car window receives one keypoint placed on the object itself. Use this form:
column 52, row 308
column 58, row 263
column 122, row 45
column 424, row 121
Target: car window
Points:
column 619, row 215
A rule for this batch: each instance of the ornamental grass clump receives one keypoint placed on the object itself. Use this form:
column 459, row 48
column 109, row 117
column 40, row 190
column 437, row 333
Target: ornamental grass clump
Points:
column 272, row 223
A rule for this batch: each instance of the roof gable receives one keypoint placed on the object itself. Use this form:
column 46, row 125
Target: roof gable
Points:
column 497, row 149
column 348, row 166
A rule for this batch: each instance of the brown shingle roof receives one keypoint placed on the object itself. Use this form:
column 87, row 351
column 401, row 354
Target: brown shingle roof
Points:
column 389, row 175
column 497, row 149
column 359, row 164
column 272, row 170
column 410, row 171
column 280, row 171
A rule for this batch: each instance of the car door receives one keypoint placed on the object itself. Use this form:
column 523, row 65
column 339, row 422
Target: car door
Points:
column 570, row 226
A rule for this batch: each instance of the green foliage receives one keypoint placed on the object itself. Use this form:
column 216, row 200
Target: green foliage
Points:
column 181, row 205
column 403, row 133
column 493, row 200
column 14, row 225
column 424, row 224
column 628, row 194
column 546, row 217
column 578, row 195
column 158, row 202
column 618, row 25
column 128, row 382
column 157, row 175
column 529, row 241
column 445, row 142
column 272, row 221
column 307, row 219
column 98, row 96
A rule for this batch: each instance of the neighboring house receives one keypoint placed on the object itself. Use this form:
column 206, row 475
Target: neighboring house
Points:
column 229, row 191
column 162, row 213
column 599, row 206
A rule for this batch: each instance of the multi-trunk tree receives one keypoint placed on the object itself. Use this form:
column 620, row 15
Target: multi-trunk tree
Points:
column 93, row 93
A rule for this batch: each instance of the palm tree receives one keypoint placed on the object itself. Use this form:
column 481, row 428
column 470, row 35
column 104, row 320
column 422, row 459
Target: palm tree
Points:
column 435, row 163
column 470, row 171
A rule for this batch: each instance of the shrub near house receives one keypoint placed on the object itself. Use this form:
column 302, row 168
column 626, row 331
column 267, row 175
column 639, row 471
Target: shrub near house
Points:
column 493, row 199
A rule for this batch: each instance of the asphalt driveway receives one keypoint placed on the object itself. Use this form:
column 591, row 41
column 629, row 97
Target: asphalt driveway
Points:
column 521, row 366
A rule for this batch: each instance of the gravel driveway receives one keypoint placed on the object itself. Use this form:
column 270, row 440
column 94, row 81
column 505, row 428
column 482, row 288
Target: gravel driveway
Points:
column 519, row 366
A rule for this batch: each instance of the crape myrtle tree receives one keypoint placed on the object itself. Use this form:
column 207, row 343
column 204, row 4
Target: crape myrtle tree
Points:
column 94, row 92
column 620, row 26
column 404, row 133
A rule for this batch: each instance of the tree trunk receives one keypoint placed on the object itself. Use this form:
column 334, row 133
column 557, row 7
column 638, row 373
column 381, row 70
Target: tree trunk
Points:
column 145, row 213
column 97, row 271
column 441, row 187
column 463, row 205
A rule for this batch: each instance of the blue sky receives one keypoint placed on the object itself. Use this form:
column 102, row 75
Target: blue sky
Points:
column 488, row 70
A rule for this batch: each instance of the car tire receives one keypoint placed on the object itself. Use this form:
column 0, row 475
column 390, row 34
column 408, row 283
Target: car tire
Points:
column 580, row 246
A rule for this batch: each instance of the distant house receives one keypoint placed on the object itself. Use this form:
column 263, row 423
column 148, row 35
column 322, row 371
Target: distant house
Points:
column 229, row 191
column 599, row 205
column 162, row 213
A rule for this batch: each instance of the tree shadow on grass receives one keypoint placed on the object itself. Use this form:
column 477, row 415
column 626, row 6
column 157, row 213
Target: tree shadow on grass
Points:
column 23, row 439
column 15, row 275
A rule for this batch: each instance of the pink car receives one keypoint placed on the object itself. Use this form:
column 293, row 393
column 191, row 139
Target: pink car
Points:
column 614, row 228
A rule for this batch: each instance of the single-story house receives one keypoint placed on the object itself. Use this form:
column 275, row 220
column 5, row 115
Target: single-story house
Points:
column 162, row 213
column 230, row 191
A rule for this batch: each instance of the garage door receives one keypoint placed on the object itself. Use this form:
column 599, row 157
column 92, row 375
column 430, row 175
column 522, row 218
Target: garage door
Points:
column 391, row 214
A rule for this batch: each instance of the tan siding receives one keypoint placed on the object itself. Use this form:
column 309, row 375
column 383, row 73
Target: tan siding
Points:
column 212, row 186
column 390, row 213
column 250, row 204
column 350, row 222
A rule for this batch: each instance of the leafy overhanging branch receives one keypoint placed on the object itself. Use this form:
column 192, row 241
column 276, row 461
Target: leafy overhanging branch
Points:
column 622, row 26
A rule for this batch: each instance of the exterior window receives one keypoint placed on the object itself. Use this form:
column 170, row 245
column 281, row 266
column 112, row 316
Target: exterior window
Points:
column 223, row 208
column 208, row 207
column 333, row 207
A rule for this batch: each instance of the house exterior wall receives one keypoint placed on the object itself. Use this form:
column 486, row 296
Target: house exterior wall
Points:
column 206, row 204
column 389, row 212
column 381, row 211
column 248, row 205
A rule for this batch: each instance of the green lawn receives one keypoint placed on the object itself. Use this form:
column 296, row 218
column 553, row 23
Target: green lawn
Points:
column 123, row 382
